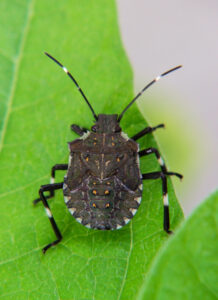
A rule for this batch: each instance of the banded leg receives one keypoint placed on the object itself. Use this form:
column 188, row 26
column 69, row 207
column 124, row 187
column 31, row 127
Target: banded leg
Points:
column 78, row 130
column 163, row 176
column 50, row 187
column 146, row 131
column 52, row 180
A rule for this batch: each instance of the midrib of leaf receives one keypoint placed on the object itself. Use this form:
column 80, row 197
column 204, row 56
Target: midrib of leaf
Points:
column 127, row 262
column 17, row 62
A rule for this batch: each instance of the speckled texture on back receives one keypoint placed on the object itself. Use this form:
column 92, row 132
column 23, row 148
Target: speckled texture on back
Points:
column 102, row 188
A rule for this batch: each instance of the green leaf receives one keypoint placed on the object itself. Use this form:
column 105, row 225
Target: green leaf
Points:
column 186, row 267
column 40, row 104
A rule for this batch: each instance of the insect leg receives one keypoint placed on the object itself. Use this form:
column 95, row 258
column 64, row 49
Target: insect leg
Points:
column 145, row 131
column 163, row 176
column 159, row 158
column 54, row 168
column 44, row 188
column 78, row 130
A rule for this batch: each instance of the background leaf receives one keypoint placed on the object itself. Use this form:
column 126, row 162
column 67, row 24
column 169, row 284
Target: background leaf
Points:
column 40, row 104
column 187, row 265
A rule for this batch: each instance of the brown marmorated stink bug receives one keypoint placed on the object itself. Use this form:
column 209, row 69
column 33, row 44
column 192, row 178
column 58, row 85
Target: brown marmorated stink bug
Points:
column 103, row 185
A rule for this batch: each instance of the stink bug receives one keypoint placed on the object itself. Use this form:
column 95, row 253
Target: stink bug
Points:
column 103, row 184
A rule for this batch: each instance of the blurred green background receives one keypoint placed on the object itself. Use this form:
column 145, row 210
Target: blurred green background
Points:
column 157, row 36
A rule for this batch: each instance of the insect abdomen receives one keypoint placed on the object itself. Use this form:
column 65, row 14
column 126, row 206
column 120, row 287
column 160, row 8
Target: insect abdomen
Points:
column 102, row 204
column 108, row 192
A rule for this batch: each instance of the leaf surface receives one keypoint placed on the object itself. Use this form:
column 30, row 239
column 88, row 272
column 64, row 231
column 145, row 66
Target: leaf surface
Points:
column 186, row 267
column 40, row 105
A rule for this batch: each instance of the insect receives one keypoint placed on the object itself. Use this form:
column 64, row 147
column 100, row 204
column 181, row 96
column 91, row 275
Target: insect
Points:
column 103, row 184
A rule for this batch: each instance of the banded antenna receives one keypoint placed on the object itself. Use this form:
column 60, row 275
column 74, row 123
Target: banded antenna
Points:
column 74, row 80
column 145, row 88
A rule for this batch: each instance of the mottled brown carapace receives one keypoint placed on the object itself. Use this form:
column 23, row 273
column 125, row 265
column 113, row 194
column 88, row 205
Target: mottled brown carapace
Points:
column 103, row 185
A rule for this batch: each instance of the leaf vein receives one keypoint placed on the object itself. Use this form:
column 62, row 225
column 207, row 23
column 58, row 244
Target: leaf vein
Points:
column 127, row 262
column 16, row 70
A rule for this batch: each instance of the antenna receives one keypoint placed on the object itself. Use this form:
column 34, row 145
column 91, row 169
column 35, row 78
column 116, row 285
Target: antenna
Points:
column 145, row 88
column 74, row 80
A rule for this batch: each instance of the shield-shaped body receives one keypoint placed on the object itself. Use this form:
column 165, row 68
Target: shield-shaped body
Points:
column 103, row 185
